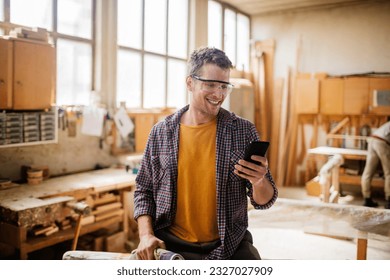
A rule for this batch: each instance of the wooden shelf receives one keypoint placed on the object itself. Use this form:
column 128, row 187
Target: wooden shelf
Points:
column 356, row 180
column 40, row 242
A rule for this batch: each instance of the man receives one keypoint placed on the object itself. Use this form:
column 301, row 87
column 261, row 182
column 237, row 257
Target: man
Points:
column 192, row 186
column 378, row 151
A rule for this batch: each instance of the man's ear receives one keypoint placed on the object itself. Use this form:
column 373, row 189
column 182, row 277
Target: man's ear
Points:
column 190, row 83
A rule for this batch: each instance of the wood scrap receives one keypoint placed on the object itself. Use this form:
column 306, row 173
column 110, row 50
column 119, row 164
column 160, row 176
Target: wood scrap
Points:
column 109, row 214
column 107, row 207
column 106, row 198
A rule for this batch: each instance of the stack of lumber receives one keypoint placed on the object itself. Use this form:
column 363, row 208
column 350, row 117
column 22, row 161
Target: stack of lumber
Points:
column 36, row 34
column 45, row 230
column 107, row 206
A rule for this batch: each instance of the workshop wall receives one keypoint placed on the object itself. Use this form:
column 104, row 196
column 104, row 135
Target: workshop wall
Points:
column 71, row 154
column 338, row 41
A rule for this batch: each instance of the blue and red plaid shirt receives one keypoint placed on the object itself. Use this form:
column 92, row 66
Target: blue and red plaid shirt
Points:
column 156, row 182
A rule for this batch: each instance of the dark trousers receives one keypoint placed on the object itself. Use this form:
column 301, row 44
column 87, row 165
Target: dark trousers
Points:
column 199, row 251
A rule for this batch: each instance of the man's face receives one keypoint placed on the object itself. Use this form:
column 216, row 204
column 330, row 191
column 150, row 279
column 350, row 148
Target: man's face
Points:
column 207, row 97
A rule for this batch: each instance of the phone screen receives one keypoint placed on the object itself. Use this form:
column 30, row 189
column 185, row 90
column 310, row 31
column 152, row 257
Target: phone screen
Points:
column 256, row 148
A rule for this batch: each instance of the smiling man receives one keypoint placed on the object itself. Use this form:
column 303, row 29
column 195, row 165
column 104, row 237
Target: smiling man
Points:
column 193, row 185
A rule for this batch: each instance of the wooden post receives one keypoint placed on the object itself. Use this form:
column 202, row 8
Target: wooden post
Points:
column 361, row 249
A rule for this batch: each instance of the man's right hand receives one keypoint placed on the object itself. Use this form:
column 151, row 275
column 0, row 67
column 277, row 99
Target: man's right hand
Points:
column 148, row 243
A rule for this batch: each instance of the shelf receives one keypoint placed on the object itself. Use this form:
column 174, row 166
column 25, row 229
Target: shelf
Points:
column 40, row 242
column 356, row 180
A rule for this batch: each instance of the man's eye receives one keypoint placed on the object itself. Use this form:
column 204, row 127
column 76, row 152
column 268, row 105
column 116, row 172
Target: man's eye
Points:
column 211, row 85
column 224, row 87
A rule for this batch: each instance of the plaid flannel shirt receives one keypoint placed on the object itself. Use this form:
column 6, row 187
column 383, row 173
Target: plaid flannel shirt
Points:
column 155, row 193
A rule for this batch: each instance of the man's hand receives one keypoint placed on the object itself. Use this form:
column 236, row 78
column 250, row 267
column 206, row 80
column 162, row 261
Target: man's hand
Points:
column 147, row 245
column 253, row 172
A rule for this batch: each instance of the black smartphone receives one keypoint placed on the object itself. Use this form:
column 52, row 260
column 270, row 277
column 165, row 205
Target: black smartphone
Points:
column 258, row 148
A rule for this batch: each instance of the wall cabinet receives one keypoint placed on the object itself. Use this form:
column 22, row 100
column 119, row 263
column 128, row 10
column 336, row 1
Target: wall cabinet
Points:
column 27, row 75
column 351, row 96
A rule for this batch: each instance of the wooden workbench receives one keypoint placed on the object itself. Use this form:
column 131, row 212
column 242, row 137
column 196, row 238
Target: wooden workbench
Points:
column 323, row 153
column 26, row 206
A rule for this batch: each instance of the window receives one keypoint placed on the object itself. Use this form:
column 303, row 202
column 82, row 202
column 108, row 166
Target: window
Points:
column 36, row 13
column 1, row 10
column 215, row 24
column 74, row 42
column 74, row 72
column 152, row 53
column 71, row 32
column 229, row 30
column 75, row 18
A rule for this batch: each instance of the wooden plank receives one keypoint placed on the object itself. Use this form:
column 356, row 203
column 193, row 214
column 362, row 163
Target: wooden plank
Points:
column 283, row 130
column 356, row 180
column 339, row 126
column 110, row 214
column 276, row 127
column 106, row 207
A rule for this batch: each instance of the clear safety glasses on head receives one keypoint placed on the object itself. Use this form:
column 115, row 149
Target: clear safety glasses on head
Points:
column 213, row 86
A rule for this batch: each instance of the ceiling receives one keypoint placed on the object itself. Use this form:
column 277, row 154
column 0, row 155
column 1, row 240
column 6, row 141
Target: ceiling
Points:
column 258, row 7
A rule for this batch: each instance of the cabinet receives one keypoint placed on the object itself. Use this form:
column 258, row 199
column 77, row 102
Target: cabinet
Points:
column 331, row 96
column 27, row 75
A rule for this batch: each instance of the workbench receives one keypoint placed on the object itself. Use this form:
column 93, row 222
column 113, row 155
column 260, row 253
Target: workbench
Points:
column 24, row 207
column 321, row 154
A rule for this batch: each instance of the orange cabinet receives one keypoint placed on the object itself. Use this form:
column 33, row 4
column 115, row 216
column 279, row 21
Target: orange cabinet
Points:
column 331, row 96
column 344, row 96
column 356, row 96
column 27, row 75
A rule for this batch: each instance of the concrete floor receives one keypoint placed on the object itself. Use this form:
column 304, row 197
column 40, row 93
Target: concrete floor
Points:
column 278, row 243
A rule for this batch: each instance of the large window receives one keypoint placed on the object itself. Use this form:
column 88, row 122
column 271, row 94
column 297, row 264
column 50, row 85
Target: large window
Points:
column 74, row 52
column 152, row 53
column 71, row 30
column 229, row 30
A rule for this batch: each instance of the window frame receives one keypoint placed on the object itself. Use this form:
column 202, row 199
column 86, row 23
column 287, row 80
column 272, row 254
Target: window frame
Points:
column 166, row 56
column 225, row 7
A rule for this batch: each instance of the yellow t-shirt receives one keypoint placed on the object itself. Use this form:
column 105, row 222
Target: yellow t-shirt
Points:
column 196, row 215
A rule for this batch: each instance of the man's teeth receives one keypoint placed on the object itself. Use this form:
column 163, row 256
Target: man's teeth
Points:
column 213, row 102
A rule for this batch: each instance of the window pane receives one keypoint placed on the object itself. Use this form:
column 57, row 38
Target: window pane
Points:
column 130, row 23
column 37, row 13
column 129, row 79
column 154, row 81
column 215, row 24
column 177, row 92
column 1, row 11
column 1, row 31
column 155, row 25
column 177, row 24
column 242, row 42
column 230, row 35
column 75, row 18
column 74, row 73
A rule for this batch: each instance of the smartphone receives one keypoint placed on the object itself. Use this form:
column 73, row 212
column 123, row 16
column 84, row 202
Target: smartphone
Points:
column 258, row 148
